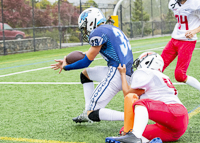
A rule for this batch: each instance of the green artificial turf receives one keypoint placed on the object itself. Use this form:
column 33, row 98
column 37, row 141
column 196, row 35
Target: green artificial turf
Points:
column 45, row 111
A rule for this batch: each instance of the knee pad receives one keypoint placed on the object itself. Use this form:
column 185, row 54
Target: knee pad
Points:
column 180, row 75
column 84, row 79
column 94, row 116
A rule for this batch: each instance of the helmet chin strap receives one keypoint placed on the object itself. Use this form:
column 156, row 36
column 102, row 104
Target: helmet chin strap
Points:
column 86, row 23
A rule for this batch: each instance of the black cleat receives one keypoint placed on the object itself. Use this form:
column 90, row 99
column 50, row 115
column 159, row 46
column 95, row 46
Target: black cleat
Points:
column 82, row 118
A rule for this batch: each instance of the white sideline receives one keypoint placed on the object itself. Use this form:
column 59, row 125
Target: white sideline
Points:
column 59, row 83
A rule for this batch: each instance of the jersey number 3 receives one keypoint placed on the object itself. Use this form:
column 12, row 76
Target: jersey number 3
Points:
column 125, row 45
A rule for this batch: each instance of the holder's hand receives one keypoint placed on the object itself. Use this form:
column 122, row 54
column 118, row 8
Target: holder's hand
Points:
column 121, row 69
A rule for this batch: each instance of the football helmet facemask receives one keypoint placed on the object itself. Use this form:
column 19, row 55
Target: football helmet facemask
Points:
column 149, row 60
column 88, row 20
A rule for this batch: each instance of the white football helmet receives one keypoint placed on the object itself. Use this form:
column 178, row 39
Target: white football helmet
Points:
column 150, row 60
column 88, row 20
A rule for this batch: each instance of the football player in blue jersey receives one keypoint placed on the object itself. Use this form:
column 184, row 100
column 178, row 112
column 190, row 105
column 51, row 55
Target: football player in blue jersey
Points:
column 115, row 48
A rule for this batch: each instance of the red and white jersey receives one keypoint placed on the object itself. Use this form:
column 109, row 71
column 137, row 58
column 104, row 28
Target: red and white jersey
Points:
column 188, row 18
column 157, row 86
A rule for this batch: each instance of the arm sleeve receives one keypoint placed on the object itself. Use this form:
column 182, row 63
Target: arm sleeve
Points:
column 85, row 62
column 140, row 80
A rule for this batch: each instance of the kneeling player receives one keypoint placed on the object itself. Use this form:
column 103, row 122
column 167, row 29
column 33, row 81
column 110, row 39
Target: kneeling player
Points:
column 158, row 101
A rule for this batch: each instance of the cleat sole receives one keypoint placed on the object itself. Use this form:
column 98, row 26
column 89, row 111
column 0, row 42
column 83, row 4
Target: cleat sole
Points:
column 81, row 121
column 156, row 140
column 108, row 140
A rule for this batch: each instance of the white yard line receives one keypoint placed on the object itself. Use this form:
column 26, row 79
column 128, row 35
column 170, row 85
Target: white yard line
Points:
column 179, row 83
column 60, row 83
column 24, row 71
column 149, row 50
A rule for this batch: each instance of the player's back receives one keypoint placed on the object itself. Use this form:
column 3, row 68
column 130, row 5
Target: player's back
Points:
column 156, row 84
column 115, row 46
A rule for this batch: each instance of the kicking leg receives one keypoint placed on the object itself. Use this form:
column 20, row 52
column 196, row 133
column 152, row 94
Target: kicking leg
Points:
column 168, row 54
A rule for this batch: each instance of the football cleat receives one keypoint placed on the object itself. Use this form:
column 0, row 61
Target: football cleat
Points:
column 156, row 140
column 128, row 138
column 82, row 118
column 110, row 140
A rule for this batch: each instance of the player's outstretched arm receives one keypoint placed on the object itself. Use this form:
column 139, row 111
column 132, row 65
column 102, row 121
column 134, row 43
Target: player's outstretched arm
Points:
column 86, row 61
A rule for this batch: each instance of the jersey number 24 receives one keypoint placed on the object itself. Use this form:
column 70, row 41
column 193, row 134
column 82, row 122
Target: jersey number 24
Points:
column 180, row 21
column 125, row 45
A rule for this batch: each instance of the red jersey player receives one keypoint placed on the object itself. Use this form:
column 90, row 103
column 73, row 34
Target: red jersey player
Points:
column 158, row 101
column 182, row 44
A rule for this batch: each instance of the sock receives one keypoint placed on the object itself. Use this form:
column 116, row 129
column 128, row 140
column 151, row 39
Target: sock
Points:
column 193, row 82
column 110, row 115
column 140, row 121
column 88, row 89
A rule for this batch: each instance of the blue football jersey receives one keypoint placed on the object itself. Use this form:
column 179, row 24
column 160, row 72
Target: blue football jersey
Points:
column 115, row 49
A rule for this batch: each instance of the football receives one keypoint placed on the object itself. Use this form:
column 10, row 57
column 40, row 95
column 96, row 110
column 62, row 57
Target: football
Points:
column 74, row 56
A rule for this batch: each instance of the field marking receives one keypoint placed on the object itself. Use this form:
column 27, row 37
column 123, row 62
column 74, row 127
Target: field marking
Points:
column 53, row 60
column 194, row 112
column 44, row 83
column 94, row 59
column 35, row 58
column 147, row 42
column 33, row 140
column 39, row 57
column 50, row 67
column 26, row 65
column 23, row 71
column 32, row 58
column 46, row 57
column 68, row 83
